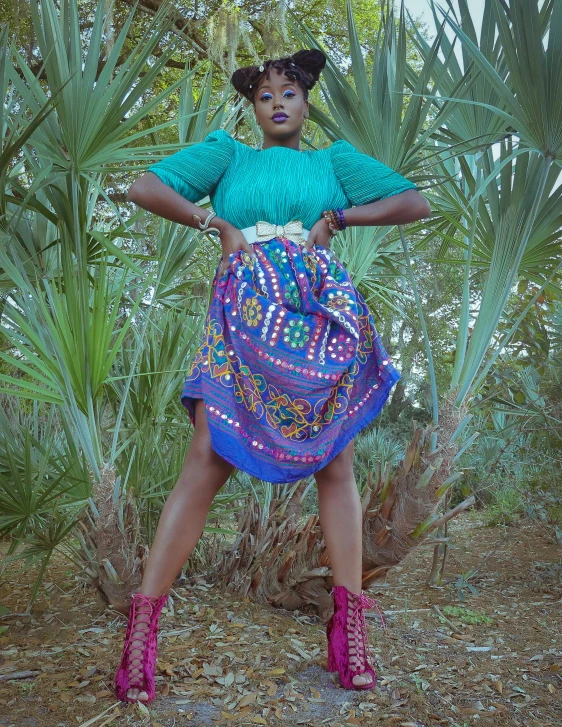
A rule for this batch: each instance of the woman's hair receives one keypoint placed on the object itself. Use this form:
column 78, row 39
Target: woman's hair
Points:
column 303, row 67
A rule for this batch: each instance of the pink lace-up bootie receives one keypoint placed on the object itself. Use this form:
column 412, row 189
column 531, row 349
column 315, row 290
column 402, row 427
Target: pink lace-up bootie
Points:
column 348, row 639
column 136, row 670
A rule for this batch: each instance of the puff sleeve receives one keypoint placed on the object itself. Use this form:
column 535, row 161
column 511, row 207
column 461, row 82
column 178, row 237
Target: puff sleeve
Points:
column 195, row 171
column 363, row 178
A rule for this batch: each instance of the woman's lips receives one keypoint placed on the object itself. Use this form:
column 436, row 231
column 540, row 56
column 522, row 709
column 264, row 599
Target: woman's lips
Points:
column 280, row 118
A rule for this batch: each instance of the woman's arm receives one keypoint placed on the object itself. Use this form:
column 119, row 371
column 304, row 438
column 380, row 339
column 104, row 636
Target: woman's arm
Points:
column 150, row 193
column 398, row 209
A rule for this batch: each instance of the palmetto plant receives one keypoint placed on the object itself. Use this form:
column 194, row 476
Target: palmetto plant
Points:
column 99, row 328
column 92, row 325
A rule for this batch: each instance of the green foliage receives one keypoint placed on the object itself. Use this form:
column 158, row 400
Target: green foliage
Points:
column 95, row 328
column 514, row 469
column 555, row 323
column 102, row 309
column 466, row 615
column 463, row 584
column 544, row 501
column 377, row 447
column 506, row 506
column 40, row 471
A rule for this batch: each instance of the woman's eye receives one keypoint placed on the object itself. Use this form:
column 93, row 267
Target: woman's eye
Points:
column 267, row 96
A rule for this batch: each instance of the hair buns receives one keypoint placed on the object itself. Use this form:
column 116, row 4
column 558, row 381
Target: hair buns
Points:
column 310, row 60
column 304, row 67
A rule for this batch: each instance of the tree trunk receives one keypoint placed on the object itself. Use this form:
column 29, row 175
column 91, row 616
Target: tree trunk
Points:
column 111, row 542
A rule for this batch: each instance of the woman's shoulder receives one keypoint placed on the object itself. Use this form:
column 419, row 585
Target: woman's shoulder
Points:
column 225, row 140
column 221, row 136
column 341, row 146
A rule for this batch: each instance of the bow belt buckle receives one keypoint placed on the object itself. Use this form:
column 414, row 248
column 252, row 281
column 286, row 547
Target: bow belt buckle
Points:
column 291, row 231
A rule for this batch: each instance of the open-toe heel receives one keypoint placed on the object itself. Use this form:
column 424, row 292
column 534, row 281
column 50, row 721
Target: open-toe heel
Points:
column 348, row 638
column 138, row 660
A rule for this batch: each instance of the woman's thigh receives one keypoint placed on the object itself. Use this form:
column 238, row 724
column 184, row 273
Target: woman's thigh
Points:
column 338, row 468
column 201, row 459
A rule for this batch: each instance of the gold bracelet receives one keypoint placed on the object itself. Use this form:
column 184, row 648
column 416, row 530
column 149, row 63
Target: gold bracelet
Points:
column 205, row 227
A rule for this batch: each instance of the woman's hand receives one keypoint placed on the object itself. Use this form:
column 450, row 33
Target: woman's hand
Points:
column 319, row 235
column 232, row 239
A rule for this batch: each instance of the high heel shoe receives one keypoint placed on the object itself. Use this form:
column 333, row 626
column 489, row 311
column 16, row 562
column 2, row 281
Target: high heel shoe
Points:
column 348, row 639
column 136, row 669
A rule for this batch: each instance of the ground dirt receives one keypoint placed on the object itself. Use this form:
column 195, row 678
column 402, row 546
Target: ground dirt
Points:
column 226, row 661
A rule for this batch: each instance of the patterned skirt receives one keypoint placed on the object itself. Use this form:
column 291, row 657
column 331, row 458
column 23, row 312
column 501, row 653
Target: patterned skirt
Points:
column 291, row 366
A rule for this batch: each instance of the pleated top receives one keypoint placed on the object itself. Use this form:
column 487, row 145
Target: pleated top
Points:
column 277, row 184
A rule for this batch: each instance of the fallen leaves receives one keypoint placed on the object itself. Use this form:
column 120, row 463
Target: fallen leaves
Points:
column 248, row 699
column 143, row 709
column 236, row 662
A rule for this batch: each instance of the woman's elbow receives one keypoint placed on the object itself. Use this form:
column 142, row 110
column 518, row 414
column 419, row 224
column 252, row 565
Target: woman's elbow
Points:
column 421, row 206
column 425, row 208
column 140, row 187
column 133, row 191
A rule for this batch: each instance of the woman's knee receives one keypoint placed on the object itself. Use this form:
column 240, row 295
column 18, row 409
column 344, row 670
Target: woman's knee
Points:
column 202, row 458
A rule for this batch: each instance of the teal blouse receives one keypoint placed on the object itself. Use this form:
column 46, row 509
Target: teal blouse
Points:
column 277, row 184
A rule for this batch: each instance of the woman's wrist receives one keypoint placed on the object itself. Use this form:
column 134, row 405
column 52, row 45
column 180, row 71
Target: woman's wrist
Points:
column 335, row 220
column 221, row 224
column 210, row 221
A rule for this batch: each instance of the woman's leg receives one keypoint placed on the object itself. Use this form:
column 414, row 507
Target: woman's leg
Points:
column 184, row 514
column 339, row 509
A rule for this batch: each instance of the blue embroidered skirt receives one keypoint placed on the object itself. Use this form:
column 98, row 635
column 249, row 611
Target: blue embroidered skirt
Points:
column 291, row 366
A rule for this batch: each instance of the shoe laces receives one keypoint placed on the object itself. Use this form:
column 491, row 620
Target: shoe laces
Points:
column 359, row 603
column 139, row 633
column 366, row 602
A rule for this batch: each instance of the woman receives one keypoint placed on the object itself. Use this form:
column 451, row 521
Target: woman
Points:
column 291, row 366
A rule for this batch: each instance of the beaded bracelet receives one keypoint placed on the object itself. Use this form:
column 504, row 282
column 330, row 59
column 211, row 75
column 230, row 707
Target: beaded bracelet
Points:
column 335, row 220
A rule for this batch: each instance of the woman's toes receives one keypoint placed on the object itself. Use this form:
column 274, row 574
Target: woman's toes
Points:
column 360, row 679
column 135, row 693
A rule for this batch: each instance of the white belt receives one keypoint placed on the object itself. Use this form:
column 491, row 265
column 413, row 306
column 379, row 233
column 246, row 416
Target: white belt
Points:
column 263, row 231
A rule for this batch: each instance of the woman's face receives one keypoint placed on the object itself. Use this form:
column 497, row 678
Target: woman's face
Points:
column 279, row 95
